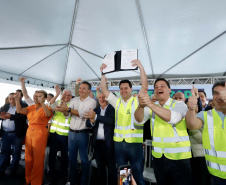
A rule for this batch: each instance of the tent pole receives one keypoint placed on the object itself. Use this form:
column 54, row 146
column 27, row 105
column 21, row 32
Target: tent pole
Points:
column 192, row 53
column 41, row 60
column 145, row 36
column 70, row 38
column 29, row 47
column 87, row 51
column 86, row 63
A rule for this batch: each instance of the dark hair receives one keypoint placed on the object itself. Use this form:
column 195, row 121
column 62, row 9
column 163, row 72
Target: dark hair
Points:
column 162, row 79
column 125, row 81
column 87, row 83
column 43, row 92
column 220, row 83
column 50, row 94
column 202, row 92
column 11, row 94
column 20, row 92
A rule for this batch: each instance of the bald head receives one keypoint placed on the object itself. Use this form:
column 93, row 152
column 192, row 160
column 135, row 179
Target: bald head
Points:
column 153, row 98
column 179, row 96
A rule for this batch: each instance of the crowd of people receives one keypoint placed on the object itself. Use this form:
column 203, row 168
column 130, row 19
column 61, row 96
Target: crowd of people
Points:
column 188, row 135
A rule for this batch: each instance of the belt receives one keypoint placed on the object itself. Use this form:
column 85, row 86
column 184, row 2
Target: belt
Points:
column 81, row 131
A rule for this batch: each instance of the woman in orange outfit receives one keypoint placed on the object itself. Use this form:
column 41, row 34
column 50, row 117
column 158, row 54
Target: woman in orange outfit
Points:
column 38, row 116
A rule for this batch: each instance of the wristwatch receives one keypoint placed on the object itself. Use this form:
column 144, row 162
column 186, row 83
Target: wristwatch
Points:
column 69, row 110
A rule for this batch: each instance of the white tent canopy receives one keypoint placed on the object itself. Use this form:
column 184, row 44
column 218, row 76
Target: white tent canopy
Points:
column 59, row 41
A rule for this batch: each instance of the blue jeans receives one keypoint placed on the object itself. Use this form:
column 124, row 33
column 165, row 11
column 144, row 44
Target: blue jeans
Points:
column 217, row 181
column 78, row 142
column 8, row 140
column 58, row 143
column 132, row 152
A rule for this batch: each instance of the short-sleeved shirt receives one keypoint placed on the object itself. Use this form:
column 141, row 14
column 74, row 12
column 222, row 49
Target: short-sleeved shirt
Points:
column 37, row 117
column 79, row 123
column 201, row 115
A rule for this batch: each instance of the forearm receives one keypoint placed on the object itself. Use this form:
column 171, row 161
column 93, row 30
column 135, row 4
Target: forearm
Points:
column 76, row 90
column 75, row 112
column 24, row 90
column 19, row 109
column 18, row 106
column 163, row 113
column 143, row 79
column 54, row 99
column 192, row 121
column 47, row 111
column 103, row 85
column 139, row 114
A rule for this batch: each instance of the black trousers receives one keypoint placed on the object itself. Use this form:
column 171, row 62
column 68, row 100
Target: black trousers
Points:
column 105, row 158
column 200, row 171
column 172, row 172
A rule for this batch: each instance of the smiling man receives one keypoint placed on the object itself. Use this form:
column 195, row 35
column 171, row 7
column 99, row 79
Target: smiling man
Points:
column 102, row 120
column 78, row 137
column 128, row 136
column 214, row 131
column 171, row 145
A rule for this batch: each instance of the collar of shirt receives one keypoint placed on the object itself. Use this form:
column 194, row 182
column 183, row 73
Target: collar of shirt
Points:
column 12, row 106
column 127, row 100
column 87, row 98
column 104, row 108
column 166, row 104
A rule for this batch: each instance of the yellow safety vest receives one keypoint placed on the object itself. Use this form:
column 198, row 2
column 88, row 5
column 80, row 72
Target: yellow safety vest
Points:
column 125, row 128
column 60, row 124
column 170, row 140
column 214, row 143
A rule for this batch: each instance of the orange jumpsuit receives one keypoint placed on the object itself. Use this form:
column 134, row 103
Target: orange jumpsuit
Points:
column 35, row 144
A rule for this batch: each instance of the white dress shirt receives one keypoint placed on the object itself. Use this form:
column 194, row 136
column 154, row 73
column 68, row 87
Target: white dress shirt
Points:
column 79, row 123
column 177, row 113
column 7, row 124
column 100, row 132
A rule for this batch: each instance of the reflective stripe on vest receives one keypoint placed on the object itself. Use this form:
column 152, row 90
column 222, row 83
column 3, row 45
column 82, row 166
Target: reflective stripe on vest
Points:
column 59, row 127
column 176, row 147
column 131, row 132
column 212, row 156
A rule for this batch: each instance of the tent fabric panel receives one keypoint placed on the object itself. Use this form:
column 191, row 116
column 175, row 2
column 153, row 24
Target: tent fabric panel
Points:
column 113, row 26
column 19, row 60
column 51, row 69
column 176, row 29
column 29, row 23
column 77, row 68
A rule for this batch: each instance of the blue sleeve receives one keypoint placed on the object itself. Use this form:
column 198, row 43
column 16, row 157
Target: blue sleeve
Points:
column 200, row 115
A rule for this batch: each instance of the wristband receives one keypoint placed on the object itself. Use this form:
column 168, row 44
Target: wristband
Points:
column 69, row 110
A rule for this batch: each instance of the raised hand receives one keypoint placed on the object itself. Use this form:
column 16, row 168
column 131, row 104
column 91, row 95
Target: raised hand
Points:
column 98, row 88
column 103, row 66
column 57, row 89
column 17, row 95
column 192, row 100
column 41, row 99
column 136, row 63
column 78, row 81
column 22, row 79
column 144, row 99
